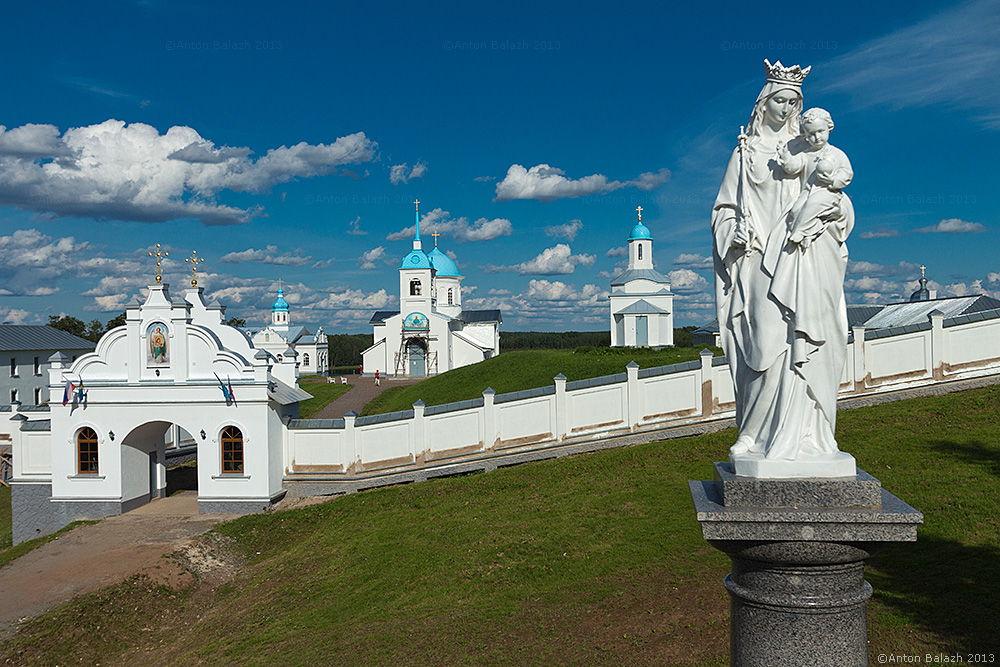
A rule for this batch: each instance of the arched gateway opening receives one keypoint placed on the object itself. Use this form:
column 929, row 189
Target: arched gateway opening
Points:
column 157, row 459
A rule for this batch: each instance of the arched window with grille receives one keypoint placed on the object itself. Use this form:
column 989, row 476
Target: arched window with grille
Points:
column 451, row 296
column 232, row 451
column 86, row 451
column 305, row 359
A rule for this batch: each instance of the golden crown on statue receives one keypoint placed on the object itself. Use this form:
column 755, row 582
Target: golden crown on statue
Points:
column 778, row 73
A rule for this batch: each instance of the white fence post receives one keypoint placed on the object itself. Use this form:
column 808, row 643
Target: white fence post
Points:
column 633, row 404
column 562, row 409
column 707, row 394
column 937, row 343
column 860, row 362
column 490, row 431
column 418, row 443
column 352, row 459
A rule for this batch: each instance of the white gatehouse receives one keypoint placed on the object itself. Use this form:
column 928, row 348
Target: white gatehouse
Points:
column 175, row 362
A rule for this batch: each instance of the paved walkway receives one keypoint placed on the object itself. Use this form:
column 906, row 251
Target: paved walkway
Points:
column 362, row 391
column 90, row 557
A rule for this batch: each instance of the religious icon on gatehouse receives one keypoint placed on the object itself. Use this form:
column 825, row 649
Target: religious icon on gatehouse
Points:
column 157, row 351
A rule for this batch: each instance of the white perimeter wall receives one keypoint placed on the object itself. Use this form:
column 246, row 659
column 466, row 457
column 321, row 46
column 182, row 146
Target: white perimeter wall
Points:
column 636, row 400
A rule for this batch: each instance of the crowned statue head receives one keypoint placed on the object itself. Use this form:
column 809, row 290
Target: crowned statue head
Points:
column 780, row 100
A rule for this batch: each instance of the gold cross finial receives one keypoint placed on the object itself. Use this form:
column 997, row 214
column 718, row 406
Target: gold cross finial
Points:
column 279, row 284
column 159, row 269
column 194, row 259
column 435, row 235
column 922, row 269
column 416, row 204
column 639, row 209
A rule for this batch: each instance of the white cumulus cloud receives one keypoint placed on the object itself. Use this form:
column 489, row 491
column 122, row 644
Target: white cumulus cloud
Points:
column 953, row 226
column 117, row 171
column 546, row 183
column 460, row 229
column 401, row 173
column 269, row 255
column 555, row 261
column 368, row 259
column 567, row 231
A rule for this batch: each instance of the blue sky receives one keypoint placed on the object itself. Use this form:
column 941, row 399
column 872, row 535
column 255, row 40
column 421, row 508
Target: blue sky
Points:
column 289, row 141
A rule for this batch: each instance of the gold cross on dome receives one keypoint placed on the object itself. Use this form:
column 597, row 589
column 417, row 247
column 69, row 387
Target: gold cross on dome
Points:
column 435, row 235
column 194, row 259
column 279, row 284
column 639, row 209
column 159, row 269
column 922, row 269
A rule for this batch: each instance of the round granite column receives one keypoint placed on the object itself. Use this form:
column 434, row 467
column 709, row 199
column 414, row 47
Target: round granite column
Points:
column 798, row 599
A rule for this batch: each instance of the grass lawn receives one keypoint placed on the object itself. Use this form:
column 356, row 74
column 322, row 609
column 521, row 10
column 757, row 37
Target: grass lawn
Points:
column 594, row 559
column 323, row 393
column 524, row 369
column 5, row 535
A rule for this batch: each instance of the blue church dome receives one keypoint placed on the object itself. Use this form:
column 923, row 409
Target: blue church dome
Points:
column 443, row 264
column 640, row 231
column 416, row 260
column 280, row 304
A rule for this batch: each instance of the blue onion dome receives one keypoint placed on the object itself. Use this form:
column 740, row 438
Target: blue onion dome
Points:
column 640, row 231
column 443, row 264
column 280, row 304
column 417, row 259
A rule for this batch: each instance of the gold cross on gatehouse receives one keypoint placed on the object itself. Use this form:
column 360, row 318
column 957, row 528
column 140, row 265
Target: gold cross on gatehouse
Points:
column 639, row 209
column 435, row 235
column 159, row 269
column 194, row 259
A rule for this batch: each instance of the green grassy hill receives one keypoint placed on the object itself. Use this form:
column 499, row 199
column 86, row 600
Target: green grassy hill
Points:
column 524, row 369
column 594, row 559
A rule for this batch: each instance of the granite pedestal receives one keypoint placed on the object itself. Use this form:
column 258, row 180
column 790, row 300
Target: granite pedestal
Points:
column 798, row 548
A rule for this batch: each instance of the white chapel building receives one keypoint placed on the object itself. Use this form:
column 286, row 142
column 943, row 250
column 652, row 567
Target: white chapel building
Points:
column 642, row 305
column 282, row 339
column 430, row 333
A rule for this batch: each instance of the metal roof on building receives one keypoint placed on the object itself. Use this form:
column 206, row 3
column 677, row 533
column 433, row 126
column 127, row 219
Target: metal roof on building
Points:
column 916, row 312
column 641, row 307
column 280, row 392
column 473, row 316
column 640, row 274
column 381, row 316
column 20, row 337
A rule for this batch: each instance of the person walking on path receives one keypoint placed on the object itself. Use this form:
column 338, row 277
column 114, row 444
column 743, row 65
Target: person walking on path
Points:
column 377, row 380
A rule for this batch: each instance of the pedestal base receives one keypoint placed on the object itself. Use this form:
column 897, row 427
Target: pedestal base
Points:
column 840, row 464
column 798, row 549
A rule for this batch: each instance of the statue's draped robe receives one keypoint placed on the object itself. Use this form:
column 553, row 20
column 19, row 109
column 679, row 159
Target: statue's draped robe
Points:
column 785, row 339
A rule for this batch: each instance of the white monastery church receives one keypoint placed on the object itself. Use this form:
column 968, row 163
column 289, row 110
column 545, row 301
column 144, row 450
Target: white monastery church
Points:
column 430, row 333
column 642, row 305
column 280, row 338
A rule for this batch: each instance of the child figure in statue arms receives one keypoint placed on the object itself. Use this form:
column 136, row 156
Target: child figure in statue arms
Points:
column 824, row 170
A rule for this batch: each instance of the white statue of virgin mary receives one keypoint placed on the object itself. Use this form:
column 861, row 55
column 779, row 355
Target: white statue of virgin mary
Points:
column 786, row 373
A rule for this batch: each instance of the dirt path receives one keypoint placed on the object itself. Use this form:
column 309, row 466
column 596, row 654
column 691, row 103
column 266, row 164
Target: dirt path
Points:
column 362, row 391
column 90, row 557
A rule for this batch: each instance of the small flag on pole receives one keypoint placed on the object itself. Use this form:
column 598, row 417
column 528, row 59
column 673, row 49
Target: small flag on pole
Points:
column 226, row 391
column 67, row 392
column 232, row 396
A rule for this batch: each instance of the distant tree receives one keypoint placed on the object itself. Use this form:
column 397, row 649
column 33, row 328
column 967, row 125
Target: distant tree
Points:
column 236, row 322
column 549, row 340
column 346, row 349
column 69, row 325
column 682, row 336
column 95, row 329
column 117, row 321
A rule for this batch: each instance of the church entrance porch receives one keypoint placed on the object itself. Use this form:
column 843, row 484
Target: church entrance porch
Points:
column 416, row 352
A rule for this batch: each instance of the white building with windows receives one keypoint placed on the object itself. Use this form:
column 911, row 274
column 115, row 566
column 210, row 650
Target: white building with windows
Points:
column 26, row 350
column 310, row 350
column 175, row 362
column 431, row 332
column 642, row 305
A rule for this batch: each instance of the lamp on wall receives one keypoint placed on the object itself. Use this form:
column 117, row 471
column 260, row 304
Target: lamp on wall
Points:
column 111, row 434
column 202, row 434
